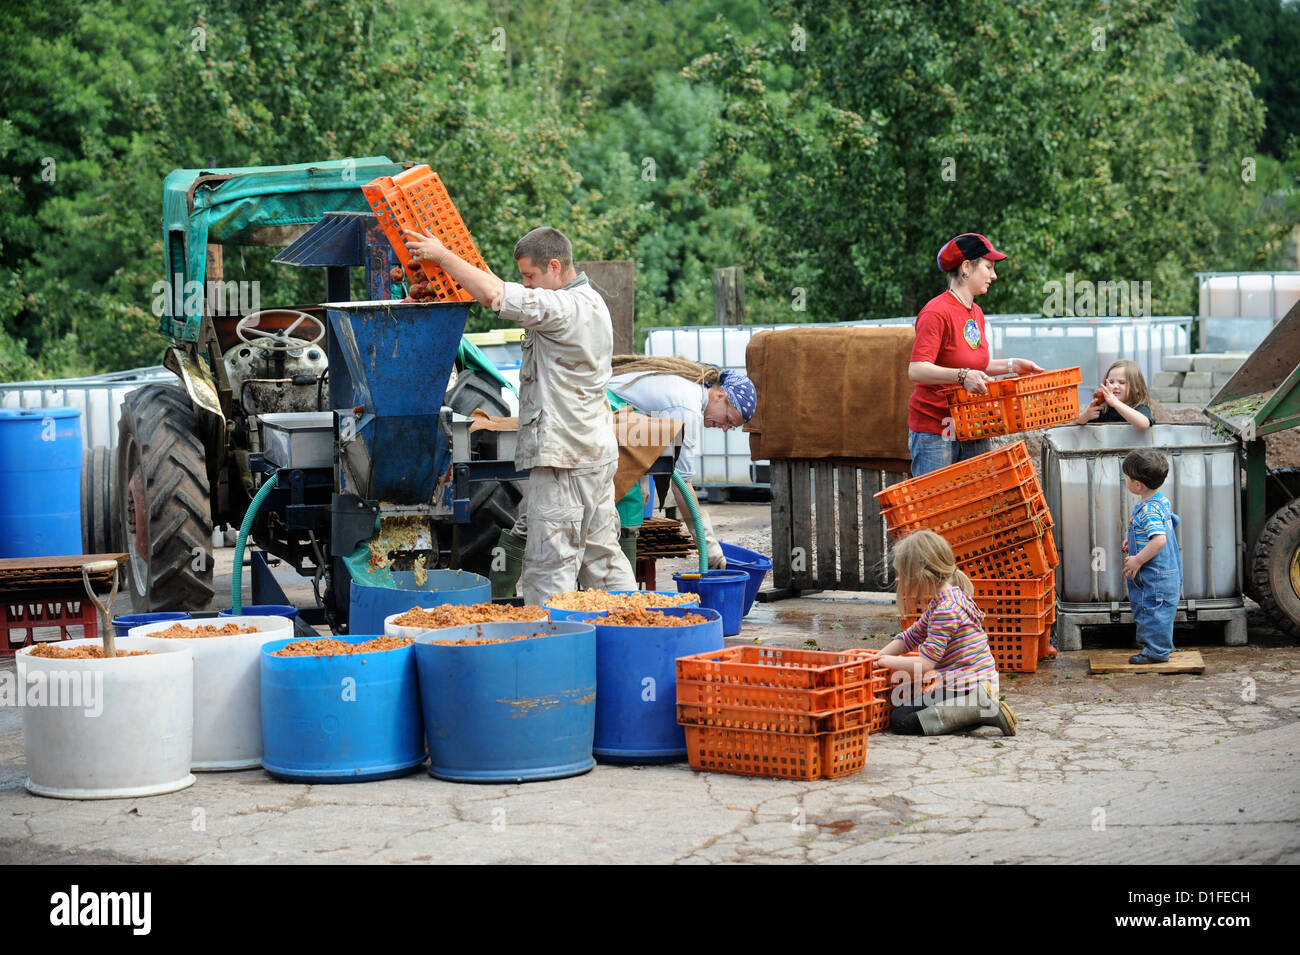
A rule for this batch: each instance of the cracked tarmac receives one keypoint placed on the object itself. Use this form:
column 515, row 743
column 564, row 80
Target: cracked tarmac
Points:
column 1105, row 769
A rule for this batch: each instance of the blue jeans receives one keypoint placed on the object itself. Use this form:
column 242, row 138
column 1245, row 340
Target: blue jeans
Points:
column 933, row 451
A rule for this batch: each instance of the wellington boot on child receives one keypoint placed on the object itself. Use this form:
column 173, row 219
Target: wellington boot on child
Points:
column 507, row 564
column 944, row 718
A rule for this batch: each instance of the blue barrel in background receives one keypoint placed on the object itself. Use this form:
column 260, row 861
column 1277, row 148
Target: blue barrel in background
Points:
column 752, row 563
column 340, row 719
column 40, row 482
column 720, row 590
column 122, row 625
column 557, row 614
column 636, row 685
column 368, row 606
column 261, row 610
column 509, row 712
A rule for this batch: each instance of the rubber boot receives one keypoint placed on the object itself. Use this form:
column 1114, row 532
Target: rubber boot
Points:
column 628, row 543
column 506, row 580
column 944, row 718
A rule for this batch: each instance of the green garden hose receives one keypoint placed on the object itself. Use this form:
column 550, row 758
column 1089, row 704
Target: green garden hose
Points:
column 692, row 505
column 237, row 577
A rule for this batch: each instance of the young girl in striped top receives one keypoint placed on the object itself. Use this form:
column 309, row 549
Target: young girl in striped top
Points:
column 951, row 642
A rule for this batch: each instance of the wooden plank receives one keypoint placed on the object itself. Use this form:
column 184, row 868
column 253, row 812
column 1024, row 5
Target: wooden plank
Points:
column 779, row 479
column 828, row 573
column 70, row 562
column 616, row 283
column 850, row 524
column 1116, row 661
column 801, row 537
column 729, row 295
column 874, row 571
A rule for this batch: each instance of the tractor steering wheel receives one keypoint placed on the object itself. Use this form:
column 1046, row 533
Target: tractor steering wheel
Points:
column 281, row 341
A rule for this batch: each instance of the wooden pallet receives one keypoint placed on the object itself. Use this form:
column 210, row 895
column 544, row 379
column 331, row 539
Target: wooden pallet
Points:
column 1116, row 661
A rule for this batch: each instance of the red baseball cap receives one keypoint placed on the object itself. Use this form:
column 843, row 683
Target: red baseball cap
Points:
column 966, row 248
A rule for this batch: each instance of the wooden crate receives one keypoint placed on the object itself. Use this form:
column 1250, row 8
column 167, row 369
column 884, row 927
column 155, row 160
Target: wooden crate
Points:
column 827, row 532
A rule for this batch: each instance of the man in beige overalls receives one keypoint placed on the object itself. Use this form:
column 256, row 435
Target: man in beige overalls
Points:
column 566, row 437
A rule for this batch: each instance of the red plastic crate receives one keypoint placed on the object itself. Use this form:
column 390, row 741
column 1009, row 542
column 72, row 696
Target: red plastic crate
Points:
column 1021, row 403
column 22, row 614
column 958, row 513
column 969, row 480
column 773, row 667
column 703, row 693
column 417, row 199
column 774, row 721
column 783, row 755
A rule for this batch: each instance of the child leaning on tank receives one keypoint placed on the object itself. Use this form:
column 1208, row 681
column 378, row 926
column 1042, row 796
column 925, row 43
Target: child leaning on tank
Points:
column 1121, row 399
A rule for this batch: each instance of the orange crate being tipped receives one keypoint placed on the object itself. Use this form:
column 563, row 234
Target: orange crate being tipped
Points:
column 784, row 755
column 966, row 481
column 416, row 199
column 1022, row 403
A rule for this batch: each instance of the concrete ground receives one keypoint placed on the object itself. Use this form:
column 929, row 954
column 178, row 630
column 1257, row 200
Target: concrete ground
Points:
column 1113, row 769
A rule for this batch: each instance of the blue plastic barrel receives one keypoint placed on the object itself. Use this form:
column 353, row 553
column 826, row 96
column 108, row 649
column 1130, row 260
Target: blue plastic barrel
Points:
column 262, row 610
column 509, row 712
column 40, row 482
column 369, row 606
column 720, row 590
column 340, row 719
column 636, row 685
column 557, row 614
column 122, row 625
column 752, row 563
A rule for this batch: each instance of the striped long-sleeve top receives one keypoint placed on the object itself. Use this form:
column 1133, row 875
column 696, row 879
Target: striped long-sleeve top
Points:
column 951, row 633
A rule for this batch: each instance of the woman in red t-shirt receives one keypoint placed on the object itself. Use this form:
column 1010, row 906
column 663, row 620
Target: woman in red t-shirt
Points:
column 952, row 347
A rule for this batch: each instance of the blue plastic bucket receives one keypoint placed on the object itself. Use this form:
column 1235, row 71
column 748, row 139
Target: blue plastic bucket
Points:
column 122, row 625
column 509, row 712
column 558, row 614
column 369, row 606
column 752, row 563
column 720, row 590
column 636, row 685
column 40, row 482
column 341, row 719
column 261, row 610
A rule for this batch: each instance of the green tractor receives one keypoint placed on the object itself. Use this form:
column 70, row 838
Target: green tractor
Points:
column 188, row 454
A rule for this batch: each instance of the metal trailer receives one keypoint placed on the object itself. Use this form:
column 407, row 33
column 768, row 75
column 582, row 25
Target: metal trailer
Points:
column 1240, row 531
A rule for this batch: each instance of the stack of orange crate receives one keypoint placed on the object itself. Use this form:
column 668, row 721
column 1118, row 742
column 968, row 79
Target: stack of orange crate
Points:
column 416, row 199
column 992, row 511
column 767, row 711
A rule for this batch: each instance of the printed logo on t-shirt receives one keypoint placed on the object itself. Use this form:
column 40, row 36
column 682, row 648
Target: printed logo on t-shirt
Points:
column 971, row 333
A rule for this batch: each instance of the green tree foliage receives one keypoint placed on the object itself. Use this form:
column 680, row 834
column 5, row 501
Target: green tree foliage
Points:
column 1082, row 141
column 1265, row 35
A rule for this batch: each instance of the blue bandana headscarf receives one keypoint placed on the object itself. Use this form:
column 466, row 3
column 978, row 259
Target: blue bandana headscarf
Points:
column 741, row 392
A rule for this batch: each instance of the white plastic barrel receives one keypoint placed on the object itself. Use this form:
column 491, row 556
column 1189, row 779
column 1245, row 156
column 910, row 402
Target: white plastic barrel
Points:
column 106, row 729
column 227, row 687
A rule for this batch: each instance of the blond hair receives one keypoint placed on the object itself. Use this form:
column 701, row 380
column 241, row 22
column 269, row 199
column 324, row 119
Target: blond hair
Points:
column 1137, row 385
column 707, row 375
column 924, row 564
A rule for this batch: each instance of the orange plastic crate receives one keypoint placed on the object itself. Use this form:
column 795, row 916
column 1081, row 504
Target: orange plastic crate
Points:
column 417, row 199
column 1021, row 403
column 773, row 667
column 973, row 504
column 1002, row 623
column 701, row 693
column 1018, row 652
column 1028, row 596
column 1045, row 644
column 774, row 721
column 969, row 480
column 1019, row 524
column 1028, row 558
column 783, row 755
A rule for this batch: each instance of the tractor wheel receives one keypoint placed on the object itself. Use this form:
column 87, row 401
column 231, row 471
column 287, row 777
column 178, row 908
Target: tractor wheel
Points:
column 492, row 507
column 161, row 502
column 1275, row 568
column 97, row 530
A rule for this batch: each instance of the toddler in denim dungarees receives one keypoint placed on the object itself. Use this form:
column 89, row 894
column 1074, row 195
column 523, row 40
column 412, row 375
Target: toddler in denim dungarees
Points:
column 1153, row 567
